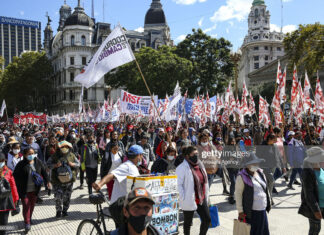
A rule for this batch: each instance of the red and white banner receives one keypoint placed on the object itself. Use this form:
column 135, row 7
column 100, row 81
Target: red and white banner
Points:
column 30, row 118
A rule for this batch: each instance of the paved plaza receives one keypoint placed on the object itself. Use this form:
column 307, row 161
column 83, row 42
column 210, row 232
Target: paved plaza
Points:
column 283, row 217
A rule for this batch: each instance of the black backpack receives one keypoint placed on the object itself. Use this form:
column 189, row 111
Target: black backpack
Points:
column 64, row 173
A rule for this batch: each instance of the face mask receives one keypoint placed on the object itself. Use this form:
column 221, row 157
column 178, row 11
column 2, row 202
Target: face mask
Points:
column 253, row 168
column 31, row 157
column 73, row 136
column 16, row 151
column 170, row 158
column 2, row 164
column 90, row 141
column 18, row 134
column 139, row 223
column 204, row 144
column 64, row 150
column 138, row 163
column 194, row 158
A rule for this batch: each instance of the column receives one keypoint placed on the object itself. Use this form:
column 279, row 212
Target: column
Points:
column 23, row 38
column 36, row 36
column 9, row 36
column 30, row 46
column 16, row 27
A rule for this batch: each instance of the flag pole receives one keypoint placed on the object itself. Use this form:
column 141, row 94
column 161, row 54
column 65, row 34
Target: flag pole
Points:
column 7, row 115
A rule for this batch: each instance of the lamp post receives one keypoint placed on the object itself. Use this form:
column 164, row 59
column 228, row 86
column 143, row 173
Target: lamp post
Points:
column 236, row 57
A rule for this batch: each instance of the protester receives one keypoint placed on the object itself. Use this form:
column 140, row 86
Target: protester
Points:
column 165, row 164
column 28, row 174
column 138, row 211
column 252, row 195
column 14, row 156
column 65, row 165
column 148, row 154
column 9, row 195
column 104, row 140
column 193, row 184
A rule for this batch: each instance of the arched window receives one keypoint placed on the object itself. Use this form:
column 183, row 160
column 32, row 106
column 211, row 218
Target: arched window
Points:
column 83, row 40
column 256, row 12
column 72, row 40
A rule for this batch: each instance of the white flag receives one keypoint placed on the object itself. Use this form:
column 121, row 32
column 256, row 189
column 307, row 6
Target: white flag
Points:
column 113, row 52
column 81, row 100
column 3, row 107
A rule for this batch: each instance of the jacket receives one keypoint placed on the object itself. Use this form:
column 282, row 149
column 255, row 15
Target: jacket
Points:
column 88, row 155
column 270, row 154
column 309, row 194
column 15, row 197
column 296, row 153
column 244, row 194
column 106, row 163
column 59, row 158
column 21, row 173
column 186, row 187
column 161, row 165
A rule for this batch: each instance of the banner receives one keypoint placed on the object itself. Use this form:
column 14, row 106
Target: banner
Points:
column 30, row 118
column 113, row 52
column 133, row 104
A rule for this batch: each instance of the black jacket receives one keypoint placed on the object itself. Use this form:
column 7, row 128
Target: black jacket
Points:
column 161, row 166
column 106, row 163
column 21, row 173
column 309, row 194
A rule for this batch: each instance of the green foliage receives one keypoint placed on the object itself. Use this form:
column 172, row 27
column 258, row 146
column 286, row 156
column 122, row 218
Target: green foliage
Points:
column 305, row 47
column 211, row 58
column 162, row 68
column 25, row 82
column 1, row 63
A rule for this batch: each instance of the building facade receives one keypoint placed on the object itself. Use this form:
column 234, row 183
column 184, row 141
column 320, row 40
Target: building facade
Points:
column 17, row 36
column 156, row 30
column 77, row 40
column 260, row 46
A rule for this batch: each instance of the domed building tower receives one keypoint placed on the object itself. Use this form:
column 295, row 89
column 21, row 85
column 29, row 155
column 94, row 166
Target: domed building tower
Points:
column 71, row 49
column 65, row 12
column 156, row 30
column 260, row 46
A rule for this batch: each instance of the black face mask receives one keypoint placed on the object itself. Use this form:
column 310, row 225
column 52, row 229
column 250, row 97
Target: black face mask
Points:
column 139, row 223
column 90, row 141
column 194, row 158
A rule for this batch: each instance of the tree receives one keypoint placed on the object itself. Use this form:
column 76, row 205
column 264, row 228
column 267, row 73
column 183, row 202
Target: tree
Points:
column 1, row 63
column 211, row 59
column 305, row 47
column 162, row 68
column 25, row 82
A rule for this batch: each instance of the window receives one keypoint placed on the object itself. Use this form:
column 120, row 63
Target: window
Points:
column 265, row 63
column 256, row 65
column 278, row 48
column 256, row 48
column 133, row 46
column 71, row 60
column 83, row 40
column 72, row 40
column 256, row 12
column 266, row 48
column 143, row 45
column 84, row 60
column 255, row 22
column 266, row 57
column 64, row 95
column 71, row 77
column 85, row 94
column 71, row 95
column 256, row 58
column 255, row 37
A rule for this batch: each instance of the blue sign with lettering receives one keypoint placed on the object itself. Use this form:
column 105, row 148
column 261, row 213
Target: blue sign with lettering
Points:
column 19, row 22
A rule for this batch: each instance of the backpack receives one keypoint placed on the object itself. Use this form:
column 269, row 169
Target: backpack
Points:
column 5, row 189
column 64, row 173
column 37, row 179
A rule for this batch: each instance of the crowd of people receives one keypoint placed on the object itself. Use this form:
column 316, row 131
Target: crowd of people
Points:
column 248, row 159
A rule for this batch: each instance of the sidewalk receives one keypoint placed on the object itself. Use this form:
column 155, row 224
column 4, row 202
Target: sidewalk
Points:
column 283, row 218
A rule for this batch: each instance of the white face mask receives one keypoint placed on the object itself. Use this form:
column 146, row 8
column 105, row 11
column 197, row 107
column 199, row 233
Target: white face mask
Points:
column 204, row 144
column 253, row 168
column 170, row 158
column 65, row 150
column 16, row 151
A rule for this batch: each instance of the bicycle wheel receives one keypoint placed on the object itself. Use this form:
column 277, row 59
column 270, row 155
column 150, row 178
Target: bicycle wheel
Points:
column 88, row 227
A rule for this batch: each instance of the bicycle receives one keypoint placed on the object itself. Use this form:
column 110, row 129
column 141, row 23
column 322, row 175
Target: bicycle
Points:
column 91, row 227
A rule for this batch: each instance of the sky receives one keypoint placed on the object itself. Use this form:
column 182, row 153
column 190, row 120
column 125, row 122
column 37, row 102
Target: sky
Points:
column 218, row 18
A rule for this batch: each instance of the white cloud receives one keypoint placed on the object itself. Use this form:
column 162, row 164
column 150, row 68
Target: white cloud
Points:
column 286, row 29
column 22, row 13
column 234, row 9
column 227, row 31
column 180, row 38
column 287, row 0
column 214, row 35
column 210, row 29
column 200, row 22
column 188, row 2
column 140, row 29
column 231, row 23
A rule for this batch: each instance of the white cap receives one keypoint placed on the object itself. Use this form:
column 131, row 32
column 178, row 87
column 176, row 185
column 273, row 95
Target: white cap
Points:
column 291, row 133
column 246, row 131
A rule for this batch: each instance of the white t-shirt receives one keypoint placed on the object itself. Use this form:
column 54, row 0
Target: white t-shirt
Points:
column 126, row 169
column 115, row 161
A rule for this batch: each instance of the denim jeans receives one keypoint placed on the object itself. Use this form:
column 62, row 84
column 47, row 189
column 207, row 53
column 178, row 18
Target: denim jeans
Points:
column 294, row 174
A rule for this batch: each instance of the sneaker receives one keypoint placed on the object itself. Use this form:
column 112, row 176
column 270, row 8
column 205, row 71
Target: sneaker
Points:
column 290, row 187
column 49, row 192
column 231, row 200
column 58, row 214
column 27, row 228
column 286, row 178
column 64, row 214
column 39, row 200
column 296, row 182
column 81, row 186
column 274, row 190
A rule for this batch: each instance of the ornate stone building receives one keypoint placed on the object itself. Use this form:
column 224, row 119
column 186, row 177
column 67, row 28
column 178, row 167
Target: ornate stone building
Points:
column 260, row 46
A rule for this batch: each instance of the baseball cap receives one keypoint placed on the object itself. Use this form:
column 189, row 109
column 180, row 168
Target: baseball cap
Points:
column 161, row 129
column 135, row 150
column 64, row 143
column 246, row 131
column 291, row 133
column 137, row 194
